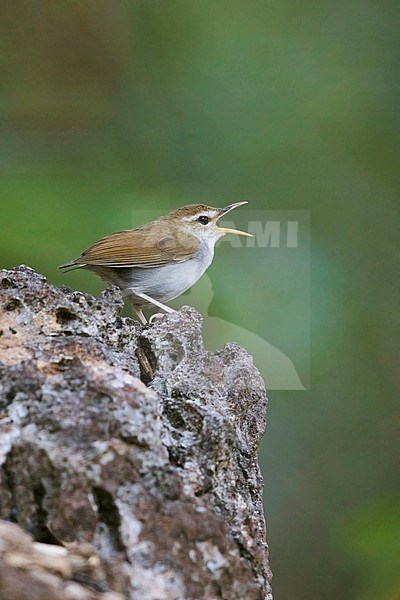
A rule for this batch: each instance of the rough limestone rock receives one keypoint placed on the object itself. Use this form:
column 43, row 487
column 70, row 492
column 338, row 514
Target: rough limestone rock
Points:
column 128, row 452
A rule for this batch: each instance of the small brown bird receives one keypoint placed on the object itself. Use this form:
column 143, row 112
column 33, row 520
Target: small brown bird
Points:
column 158, row 261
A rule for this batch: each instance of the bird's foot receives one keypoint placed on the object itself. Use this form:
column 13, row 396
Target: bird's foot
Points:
column 156, row 317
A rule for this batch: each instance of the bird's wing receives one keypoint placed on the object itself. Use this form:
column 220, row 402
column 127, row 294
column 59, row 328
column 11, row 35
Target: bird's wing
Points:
column 139, row 248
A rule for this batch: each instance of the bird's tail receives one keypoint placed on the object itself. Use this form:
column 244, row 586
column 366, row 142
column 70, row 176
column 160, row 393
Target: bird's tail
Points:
column 71, row 266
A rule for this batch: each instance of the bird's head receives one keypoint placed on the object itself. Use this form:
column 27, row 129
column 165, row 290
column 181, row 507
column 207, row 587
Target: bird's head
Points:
column 201, row 221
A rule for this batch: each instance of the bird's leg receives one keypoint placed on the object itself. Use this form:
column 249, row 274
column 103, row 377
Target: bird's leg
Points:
column 167, row 309
column 139, row 313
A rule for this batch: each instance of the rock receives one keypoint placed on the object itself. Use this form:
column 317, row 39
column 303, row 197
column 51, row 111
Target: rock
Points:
column 130, row 449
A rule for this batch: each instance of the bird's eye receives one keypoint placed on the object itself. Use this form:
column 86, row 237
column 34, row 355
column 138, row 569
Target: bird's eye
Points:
column 203, row 219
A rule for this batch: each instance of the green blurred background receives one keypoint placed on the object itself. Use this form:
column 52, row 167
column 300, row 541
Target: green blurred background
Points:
column 112, row 107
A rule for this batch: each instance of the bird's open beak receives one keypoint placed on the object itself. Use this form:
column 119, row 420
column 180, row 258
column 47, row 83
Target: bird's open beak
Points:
column 224, row 211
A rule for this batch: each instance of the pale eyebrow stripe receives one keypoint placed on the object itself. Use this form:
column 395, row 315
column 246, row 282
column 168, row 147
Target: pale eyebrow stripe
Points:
column 208, row 213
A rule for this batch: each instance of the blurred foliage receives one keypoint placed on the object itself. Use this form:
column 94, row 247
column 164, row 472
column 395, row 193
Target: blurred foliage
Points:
column 112, row 108
column 371, row 535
